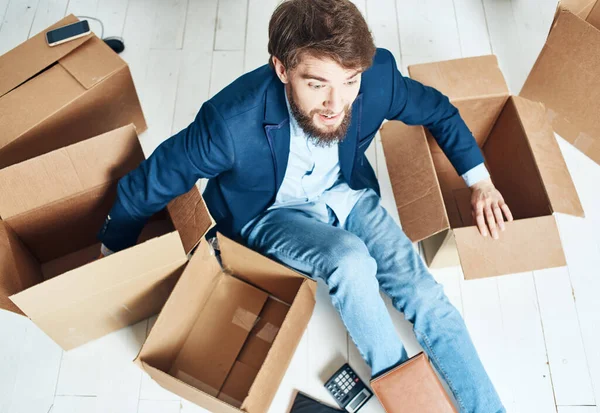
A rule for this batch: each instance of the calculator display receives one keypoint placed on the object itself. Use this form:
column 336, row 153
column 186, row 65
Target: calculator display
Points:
column 357, row 401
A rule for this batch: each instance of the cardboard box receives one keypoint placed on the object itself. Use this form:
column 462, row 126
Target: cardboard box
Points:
column 566, row 75
column 196, row 348
column 51, row 97
column 53, row 206
column 524, row 161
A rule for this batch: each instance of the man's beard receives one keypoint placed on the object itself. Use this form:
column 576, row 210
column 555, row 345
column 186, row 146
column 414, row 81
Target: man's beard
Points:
column 314, row 133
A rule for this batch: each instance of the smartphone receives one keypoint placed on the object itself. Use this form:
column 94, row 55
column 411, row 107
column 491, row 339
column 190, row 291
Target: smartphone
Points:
column 67, row 33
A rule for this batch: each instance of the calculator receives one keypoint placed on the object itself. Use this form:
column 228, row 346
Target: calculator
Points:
column 348, row 389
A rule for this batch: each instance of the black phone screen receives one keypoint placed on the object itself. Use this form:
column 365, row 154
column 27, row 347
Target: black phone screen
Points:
column 66, row 32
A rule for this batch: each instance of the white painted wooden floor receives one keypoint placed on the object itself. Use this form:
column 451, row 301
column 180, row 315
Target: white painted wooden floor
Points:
column 537, row 333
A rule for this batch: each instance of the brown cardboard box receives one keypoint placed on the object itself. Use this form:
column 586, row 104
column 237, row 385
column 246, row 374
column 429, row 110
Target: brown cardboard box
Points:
column 52, row 97
column 524, row 161
column 566, row 75
column 194, row 349
column 53, row 206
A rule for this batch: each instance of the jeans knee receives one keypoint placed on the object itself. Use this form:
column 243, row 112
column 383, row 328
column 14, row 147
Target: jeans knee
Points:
column 349, row 257
column 427, row 299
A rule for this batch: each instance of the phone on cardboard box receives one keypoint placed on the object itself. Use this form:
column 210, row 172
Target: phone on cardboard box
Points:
column 67, row 33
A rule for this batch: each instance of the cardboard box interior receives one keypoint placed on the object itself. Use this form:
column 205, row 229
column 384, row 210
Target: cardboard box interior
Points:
column 566, row 75
column 227, row 334
column 51, row 97
column 521, row 155
column 53, row 208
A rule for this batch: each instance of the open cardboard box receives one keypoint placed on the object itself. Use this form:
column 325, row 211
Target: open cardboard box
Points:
column 566, row 75
column 524, row 161
column 51, row 97
column 227, row 333
column 52, row 207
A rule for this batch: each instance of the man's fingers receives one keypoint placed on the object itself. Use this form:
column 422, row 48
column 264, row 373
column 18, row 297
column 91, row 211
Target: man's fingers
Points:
column 507, row 212
column 481, row 223
column 498, row 216
column 491, row 221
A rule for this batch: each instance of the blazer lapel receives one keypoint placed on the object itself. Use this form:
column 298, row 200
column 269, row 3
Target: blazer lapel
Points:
column 347, row 148
column 277, row 129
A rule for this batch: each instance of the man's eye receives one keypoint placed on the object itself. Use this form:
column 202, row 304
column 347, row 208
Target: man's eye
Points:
column 316, row 86
column 352, row 82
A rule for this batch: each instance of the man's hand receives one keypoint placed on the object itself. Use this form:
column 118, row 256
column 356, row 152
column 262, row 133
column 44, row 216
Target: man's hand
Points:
column 488, row 207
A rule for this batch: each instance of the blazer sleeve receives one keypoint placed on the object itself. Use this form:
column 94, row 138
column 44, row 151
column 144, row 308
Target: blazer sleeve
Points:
column 202, row 150
column 416, row 104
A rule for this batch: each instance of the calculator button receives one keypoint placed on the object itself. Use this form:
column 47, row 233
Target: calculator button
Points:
column 356, row 380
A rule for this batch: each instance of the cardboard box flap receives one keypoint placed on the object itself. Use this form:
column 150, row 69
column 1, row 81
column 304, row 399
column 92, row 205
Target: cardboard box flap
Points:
column 100, row 297
column 18, row 268
column 68, row 171
column 83, row 283
column 525, row 245
column 33, row 56
column 414, row 182
column 564, row 78
column 238, row 383
column 593, row 17
column 186, row 391
column 180, row 312
column 93, row 62
column 551, row 165
column 581, row 8
column 191, row 218
column 462, row 79
column 284, row 346
column 258, row 270
column 57, row 86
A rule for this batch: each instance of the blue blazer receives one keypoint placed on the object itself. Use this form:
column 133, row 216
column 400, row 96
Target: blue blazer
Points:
column 240, row 141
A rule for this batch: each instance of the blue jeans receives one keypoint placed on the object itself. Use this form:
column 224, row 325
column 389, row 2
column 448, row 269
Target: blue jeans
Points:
column 370, row 253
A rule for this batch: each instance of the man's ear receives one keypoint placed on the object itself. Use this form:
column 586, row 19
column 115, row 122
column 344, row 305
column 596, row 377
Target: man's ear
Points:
column 282, row 73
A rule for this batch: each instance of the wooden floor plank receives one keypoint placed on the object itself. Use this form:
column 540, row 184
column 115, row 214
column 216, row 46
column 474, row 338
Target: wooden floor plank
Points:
column 169, row 24
column 566, row 354
column 39, row 365
column 231, row 25
column 48, row 12
column 257, row 33
column 18, row 19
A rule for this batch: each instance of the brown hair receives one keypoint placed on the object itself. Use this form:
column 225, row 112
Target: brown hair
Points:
column 332, row 29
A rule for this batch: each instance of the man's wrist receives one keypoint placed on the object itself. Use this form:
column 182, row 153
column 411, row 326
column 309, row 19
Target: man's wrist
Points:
column 476, row 174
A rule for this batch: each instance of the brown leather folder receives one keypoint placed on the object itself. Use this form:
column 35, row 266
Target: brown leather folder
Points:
column 412, row 387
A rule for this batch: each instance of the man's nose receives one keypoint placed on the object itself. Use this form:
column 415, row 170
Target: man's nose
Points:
column 334, row 101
